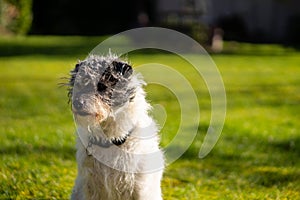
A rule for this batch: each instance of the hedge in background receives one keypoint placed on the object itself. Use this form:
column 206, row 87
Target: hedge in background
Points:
column 15, row 16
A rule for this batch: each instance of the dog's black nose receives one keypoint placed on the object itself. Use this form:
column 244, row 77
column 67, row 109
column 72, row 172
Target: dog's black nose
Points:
column 78, row 104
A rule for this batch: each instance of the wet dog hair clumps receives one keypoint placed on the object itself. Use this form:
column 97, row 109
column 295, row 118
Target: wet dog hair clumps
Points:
column 108, row 77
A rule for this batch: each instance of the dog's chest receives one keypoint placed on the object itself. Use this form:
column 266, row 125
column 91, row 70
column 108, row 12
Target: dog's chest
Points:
column 110, row 183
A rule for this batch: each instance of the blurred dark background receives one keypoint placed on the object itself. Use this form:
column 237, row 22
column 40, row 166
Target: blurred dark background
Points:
column 91, row 17
column 259, row 21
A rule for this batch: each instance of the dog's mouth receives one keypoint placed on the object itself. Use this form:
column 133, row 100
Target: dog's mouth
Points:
column 81, row 113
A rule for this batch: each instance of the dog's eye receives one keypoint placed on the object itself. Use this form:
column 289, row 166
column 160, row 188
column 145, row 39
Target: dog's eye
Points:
column 131, row 98
column 101, row 87
column 113, row 80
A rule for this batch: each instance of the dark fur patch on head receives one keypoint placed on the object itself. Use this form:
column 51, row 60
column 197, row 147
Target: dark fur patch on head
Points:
column 122, row 68
column 110, row 79
column 113, row 83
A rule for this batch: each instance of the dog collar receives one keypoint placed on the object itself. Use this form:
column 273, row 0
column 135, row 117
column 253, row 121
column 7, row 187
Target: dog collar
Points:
column 121, row 141
column 106, row 143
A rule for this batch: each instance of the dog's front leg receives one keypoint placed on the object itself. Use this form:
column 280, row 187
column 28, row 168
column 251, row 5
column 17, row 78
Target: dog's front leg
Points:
column 148, row 186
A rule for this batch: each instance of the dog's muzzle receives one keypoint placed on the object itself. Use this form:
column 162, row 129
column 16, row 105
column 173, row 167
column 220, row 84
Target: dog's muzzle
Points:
column 85, row 107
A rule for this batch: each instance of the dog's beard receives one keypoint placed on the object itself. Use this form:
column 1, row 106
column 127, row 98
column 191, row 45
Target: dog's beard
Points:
column 105, row 123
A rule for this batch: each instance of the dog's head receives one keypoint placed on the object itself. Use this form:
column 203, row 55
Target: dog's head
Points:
column 99, row 86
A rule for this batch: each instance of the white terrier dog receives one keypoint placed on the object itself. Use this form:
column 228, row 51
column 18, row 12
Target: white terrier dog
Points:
column 117, row 145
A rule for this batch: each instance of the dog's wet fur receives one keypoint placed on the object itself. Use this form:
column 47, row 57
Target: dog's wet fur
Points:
column 111, row 114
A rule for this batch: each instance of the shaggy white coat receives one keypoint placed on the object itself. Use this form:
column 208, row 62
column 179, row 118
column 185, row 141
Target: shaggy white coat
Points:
column 132, row 170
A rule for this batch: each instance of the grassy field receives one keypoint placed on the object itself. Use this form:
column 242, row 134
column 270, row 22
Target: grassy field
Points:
column 257, row 156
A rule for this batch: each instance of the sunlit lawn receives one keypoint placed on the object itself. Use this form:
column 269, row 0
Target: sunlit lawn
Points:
column 257, row 156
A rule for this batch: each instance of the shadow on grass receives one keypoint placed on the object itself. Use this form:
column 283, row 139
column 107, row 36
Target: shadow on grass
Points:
column 82, row 45
column 48, row 45
column 64, row 152
column 288, row 146
column 243, row 158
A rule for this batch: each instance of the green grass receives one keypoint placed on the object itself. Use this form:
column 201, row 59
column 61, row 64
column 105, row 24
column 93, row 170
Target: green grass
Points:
column 257, row 156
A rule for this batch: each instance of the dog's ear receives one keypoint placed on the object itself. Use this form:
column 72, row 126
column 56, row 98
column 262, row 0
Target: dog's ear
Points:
column 76, row 69
column 122, row 68
column 73, row 73
column 71, row 83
